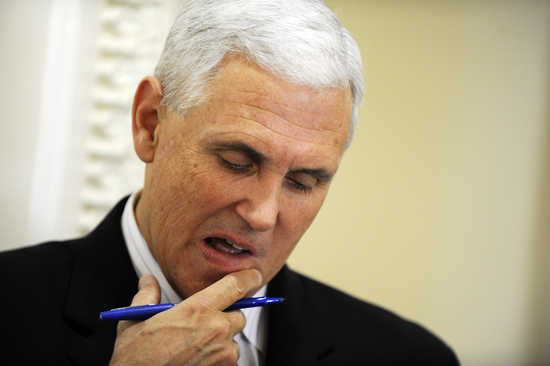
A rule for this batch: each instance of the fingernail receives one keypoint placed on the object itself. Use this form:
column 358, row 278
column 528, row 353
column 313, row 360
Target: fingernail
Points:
column 259, row 275
column 144, row 281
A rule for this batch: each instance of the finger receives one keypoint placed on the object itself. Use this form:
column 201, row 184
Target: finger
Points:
column 236, row 351
column 148, row 291
column 227, row 290
column 237, row 320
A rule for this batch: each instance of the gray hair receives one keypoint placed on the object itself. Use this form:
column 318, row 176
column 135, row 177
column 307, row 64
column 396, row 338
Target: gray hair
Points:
column 300, row 41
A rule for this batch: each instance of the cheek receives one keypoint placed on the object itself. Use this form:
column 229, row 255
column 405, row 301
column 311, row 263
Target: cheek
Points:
column 189, row 198
column 198, row 192
column 302, row 211
column 211, row 189
column 296, row 217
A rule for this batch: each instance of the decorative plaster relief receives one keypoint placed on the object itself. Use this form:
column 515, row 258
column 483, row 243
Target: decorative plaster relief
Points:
column 130, row 39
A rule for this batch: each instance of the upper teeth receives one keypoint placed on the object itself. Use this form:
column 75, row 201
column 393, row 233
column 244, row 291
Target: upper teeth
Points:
column 234, row 245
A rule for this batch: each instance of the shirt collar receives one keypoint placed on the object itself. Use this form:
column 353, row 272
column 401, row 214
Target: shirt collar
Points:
column 144, row 263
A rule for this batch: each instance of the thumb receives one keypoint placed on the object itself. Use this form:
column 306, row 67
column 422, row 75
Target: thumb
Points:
column 148, row 293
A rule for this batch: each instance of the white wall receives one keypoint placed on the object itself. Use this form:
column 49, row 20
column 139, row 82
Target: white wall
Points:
column 23, row 35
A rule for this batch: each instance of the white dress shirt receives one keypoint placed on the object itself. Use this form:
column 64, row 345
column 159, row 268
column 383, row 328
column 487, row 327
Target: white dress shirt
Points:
column 251, row 340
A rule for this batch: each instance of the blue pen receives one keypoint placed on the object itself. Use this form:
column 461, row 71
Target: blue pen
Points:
column 146, row 311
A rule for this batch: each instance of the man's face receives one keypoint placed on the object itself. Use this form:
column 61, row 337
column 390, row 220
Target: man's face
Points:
column 237, row 181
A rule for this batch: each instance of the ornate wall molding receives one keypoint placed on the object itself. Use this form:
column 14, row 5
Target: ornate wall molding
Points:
column 130, row 38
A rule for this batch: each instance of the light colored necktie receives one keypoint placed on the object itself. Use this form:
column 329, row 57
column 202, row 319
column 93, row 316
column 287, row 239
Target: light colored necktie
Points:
column 249, row 354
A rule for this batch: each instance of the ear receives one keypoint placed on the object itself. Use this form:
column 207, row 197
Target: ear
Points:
column 145, row 118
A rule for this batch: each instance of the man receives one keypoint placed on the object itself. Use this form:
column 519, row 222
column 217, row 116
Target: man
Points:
column 242, row 128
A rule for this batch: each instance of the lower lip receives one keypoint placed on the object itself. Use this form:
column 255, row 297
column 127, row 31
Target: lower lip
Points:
column 228, row 262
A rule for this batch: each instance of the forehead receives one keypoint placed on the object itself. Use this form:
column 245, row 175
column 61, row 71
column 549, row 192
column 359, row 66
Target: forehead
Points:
column 248, row 103
column 296, row 111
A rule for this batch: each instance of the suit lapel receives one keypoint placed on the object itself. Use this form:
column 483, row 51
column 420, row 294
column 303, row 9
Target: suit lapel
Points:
column 293, row 338
column 102, row 278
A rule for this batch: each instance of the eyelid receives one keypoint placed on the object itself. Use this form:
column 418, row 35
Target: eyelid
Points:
column 240, row 163
column 239, row 148
column 304, row 178
column 235, row 157
column 236, row 166
column 301, row 185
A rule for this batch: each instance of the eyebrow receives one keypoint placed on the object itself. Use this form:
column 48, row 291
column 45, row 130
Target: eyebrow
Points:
column 256, row 156
column 321, row 174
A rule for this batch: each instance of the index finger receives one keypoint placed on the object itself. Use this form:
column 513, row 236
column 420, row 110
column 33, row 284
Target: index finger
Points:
column 227, row 290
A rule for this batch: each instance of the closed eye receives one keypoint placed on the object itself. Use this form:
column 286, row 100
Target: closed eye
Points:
column 239, row 168
column 299, row 186
column 235, row 160
column 302, row 181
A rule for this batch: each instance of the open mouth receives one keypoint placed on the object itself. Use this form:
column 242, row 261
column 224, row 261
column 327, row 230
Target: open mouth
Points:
column 225, row 246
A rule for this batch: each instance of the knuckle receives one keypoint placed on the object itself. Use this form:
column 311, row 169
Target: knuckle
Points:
column 199, row 310
column 230, row 355
column 221, row 327
column 241, row 319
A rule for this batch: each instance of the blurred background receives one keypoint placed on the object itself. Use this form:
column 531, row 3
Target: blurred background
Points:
column 440, row 210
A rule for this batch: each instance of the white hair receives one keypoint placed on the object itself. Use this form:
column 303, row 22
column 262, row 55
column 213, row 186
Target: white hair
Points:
column 300, row 41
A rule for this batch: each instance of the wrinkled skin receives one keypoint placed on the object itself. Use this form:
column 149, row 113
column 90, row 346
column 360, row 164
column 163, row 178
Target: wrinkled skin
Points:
column 194, row 332
column 251, row 165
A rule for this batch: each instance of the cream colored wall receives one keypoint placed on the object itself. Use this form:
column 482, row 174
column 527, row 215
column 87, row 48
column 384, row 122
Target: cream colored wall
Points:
column 440, row 210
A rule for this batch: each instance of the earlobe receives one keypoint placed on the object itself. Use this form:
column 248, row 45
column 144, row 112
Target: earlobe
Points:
column 145, row 118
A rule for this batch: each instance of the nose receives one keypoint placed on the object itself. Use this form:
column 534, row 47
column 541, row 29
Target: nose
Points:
column 260, row 205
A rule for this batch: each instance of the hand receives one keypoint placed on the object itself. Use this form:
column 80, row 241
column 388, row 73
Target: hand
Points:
column 194, row 332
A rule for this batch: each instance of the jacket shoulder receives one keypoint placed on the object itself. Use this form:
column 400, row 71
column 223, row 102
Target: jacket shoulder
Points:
column 37, row 276
column 366, row 327
column 36, row 263
column 35, row 282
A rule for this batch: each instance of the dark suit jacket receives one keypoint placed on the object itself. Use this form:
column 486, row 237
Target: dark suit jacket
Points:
column 52, row 294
